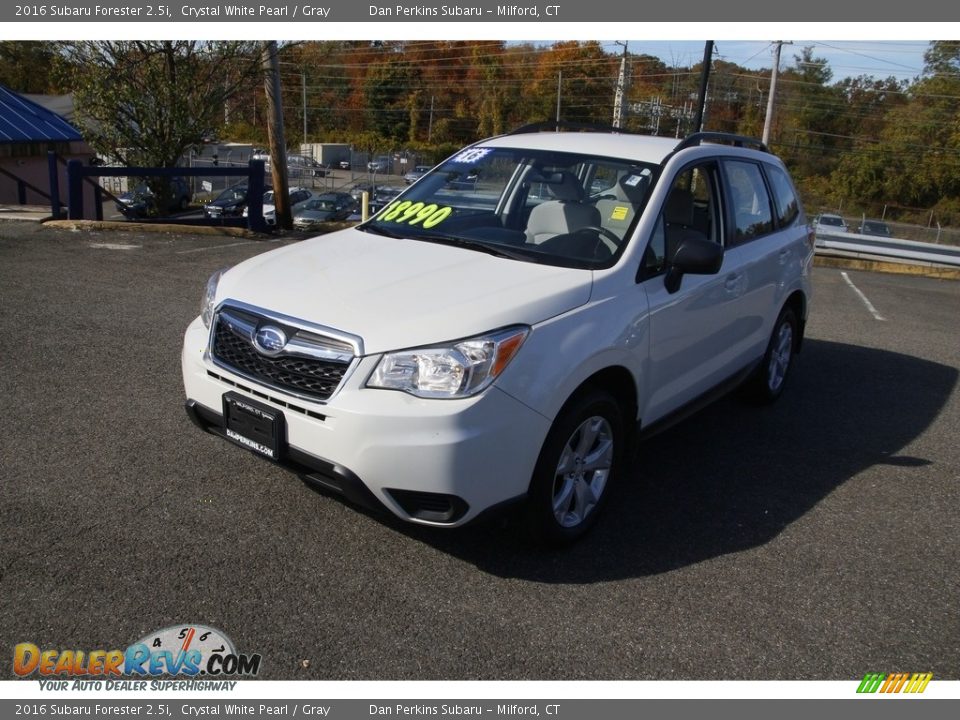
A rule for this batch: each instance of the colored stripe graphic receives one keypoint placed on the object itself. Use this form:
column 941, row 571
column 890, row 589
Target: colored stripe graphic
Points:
column 919, row 682
column 894, row 683
column 871, row 682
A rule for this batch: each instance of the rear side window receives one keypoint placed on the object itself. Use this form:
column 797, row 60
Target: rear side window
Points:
column 788, row 207
column 749, row 199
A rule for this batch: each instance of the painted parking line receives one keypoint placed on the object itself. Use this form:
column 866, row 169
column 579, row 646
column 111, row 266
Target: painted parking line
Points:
column 866, row 301
column 114, row 246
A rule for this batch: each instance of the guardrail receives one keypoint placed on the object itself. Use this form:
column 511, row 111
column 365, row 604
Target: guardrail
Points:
column 890, row 248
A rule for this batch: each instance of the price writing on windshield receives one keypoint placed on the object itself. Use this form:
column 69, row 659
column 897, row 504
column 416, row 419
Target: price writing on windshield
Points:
column 415, row 213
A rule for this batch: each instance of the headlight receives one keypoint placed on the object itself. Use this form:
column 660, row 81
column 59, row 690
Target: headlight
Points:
column 457, row 370
column 209, row 297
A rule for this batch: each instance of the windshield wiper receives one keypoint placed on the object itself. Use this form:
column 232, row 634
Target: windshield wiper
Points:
column 380, row 230
column 462, row 242
column 454, row 241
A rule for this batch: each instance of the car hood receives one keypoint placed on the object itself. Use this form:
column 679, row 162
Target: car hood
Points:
column 313, row 215
column 225, row 203
column 397, row 293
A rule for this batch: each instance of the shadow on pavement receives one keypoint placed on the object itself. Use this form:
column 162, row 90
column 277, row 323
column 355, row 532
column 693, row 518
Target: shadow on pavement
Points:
column 733, row 476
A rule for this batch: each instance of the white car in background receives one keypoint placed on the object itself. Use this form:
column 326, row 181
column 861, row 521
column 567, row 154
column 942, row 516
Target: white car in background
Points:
column 827, row 223
column 296, row 195
column 460, row 351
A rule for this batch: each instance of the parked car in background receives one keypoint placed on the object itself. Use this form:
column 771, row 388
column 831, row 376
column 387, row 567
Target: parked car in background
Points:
column 305, row 166
column 297, row 195
column 376, row 193
column 141, row 202
column 384, row 194
column 320, row 209
column 875, row 227
column 418, row 172
column 230, row 203
column 828, row 222
column 379, row 165
column 359, row 189
column 298, row 166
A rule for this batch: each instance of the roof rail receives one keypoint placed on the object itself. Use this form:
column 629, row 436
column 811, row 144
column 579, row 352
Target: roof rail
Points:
column 698, row 138
column 558, row 125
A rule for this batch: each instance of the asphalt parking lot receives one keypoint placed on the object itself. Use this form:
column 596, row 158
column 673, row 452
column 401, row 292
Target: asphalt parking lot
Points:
column 815, row 539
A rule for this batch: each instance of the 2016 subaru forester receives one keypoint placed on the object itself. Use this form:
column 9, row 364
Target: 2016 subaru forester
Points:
column 477, row 343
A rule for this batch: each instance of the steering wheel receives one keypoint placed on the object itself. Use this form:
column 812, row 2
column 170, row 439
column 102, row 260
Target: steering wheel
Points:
column 602, row 232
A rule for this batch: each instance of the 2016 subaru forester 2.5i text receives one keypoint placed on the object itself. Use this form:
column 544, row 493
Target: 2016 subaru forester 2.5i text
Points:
column 478, row 343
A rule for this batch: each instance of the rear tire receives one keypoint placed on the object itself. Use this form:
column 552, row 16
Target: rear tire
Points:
column 578, row 463
column 769, row 379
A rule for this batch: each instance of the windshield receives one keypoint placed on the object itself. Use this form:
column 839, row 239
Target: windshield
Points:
column 557, row 208
column 320, row 204
column 237, row 192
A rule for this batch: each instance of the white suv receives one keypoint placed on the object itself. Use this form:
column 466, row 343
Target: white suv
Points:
column 507, row 339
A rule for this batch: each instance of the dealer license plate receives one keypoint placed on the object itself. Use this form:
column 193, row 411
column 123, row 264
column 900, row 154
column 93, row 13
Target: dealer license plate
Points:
column 253, row 425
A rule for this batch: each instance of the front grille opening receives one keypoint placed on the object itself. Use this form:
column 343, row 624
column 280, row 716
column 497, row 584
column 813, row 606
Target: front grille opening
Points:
column 311, row 378
column 265, row 396
column 433, row 507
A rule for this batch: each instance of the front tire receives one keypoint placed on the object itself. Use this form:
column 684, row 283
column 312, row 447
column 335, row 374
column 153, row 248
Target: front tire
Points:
column 578, row 463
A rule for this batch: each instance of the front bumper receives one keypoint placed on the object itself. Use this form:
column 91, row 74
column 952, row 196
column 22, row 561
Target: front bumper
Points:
column 433, row 462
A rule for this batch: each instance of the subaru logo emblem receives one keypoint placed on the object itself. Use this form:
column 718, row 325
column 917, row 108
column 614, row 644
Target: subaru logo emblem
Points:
column 270, row 340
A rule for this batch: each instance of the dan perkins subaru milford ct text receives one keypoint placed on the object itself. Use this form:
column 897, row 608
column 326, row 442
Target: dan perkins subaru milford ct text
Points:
column 424, row 11
column 504, row 330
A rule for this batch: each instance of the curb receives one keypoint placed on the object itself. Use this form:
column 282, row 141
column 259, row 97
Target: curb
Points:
column 125, row 226
column 893, row 268
column 212, row 230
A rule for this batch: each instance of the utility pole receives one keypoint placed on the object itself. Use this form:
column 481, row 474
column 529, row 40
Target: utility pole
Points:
column 704, row 80
column 768, row 121
column 278, row 150
column 618, row 101
column 430, row 122
column 303, row 78
column 559, row 85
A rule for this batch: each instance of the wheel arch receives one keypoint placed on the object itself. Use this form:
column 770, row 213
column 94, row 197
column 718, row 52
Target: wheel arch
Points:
column 620, row 383
column 797, row 301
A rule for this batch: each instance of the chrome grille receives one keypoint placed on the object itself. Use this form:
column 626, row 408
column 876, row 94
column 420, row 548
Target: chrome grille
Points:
column 310, row 365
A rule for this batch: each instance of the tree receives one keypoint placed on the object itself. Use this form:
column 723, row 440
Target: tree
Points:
column 147, row 102
column 942, row 58
column 388, row 88
column 587, row 78
column 26, row 67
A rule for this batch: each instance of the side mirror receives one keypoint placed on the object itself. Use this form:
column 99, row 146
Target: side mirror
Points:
column 695, row 255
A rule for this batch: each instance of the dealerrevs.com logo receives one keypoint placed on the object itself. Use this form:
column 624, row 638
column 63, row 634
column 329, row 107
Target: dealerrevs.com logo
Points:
column 188, row 650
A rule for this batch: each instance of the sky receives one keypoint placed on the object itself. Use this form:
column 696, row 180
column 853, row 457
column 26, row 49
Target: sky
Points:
column 901, row 59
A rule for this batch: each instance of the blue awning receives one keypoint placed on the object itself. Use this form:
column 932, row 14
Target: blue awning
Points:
column 24, row 121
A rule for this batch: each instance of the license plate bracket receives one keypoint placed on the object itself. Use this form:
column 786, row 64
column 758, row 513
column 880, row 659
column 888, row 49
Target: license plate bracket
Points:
column 253, row 425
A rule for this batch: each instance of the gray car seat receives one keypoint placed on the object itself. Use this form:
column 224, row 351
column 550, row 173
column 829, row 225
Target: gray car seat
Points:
column 564, row 215
column 617, row 212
